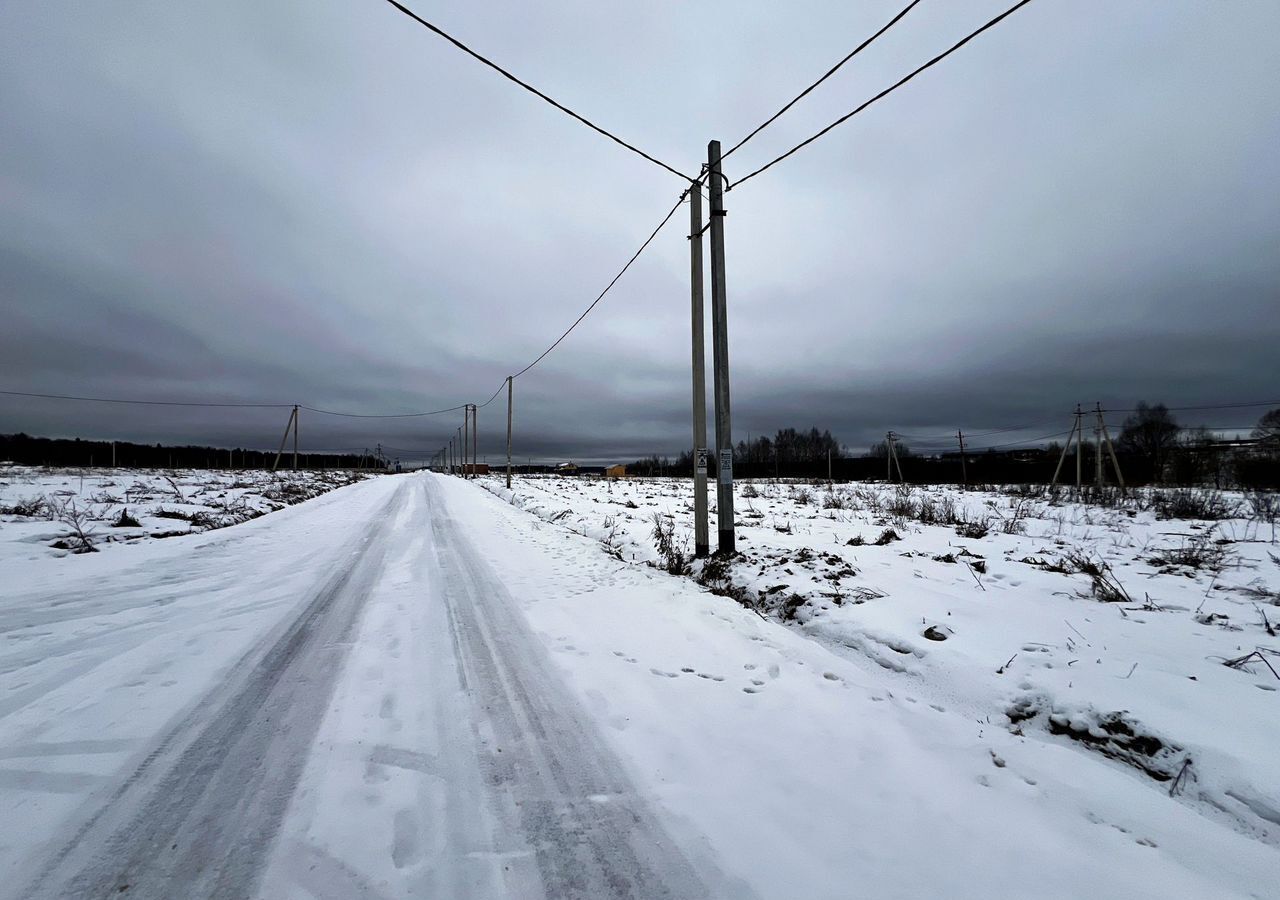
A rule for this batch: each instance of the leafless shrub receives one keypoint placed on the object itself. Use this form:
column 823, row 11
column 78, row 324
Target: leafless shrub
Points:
column 975, row 529
column 901, row 506
column 834, row 500
column 31, row 507
column 1201, row 551
column 749, row 491
column 888, row 536
column 1015, row 521
column 673, row 555
column 80, row 540
column 1104, row 585
column 1191, row 503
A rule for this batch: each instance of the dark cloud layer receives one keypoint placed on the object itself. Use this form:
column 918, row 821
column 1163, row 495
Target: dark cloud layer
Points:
column 322, row 203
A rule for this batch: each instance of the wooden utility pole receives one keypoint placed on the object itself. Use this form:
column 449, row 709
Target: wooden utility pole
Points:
column 474, row 439
column 510, row 391
column 964, row 470
column 701, row 539
column 113, row 454
column 466, row 437
column 295, row 439
column 293, row 416
column 720, row 353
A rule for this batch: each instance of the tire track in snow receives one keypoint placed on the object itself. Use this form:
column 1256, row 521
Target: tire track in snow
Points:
column 550, row 775
column 198, row 817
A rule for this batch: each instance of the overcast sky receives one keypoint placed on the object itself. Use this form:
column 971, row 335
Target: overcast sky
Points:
column 324, row 203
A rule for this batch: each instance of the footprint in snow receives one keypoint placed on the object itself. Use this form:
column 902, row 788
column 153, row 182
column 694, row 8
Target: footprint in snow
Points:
column 711, row 677
column 751, row 690
column 665, row 674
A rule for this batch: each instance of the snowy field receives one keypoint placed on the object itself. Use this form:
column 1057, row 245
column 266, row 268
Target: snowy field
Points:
column 415, row 687
column 1139, row 633
column 58, row 511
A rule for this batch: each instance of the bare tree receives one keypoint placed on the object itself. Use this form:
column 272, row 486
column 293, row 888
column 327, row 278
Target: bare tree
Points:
column 1150, row 434
column 1268, row 428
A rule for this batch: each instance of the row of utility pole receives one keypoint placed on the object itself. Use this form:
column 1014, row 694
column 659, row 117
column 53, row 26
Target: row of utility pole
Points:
column 1101, row 437
column 463, row 443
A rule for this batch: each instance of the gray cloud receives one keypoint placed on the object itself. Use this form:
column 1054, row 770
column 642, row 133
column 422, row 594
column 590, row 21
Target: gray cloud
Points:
column 323, row 203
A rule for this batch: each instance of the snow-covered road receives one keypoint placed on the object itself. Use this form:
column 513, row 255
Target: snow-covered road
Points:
column 407, row 687
column 530, row 800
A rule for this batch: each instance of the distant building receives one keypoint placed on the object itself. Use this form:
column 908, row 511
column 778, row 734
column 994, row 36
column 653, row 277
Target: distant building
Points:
column 618, row 471
column 567, row 468
column 475, row 469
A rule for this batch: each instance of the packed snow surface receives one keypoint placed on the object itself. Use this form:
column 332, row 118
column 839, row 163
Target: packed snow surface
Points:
column 411, row 686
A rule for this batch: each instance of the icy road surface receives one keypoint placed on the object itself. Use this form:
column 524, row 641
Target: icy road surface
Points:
column 410, row 688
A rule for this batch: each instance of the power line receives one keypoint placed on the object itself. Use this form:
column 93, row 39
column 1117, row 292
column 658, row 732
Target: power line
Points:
column 533, row 90
column 413, row 415
column 889, row 90
column 435, row 412
column 856, row 50
column 1191, row 408
column 608, row 287
column 148, row 402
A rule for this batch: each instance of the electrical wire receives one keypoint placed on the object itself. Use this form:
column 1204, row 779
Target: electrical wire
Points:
column 889, row 90
column 856, row 50
column 413, row 415
column 148, row 402
column 608, row 287
column 533, row 90
column 1191, row 408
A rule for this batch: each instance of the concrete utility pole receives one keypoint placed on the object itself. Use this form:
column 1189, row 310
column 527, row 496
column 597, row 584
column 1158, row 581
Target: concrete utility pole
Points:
column 1079, row 449
column 295, row 439
column 1111, row 448
column 1097, row 449
column 720, row 353
column 701, row 540
column 510, row 391
column 888, row 456
column 474, row 439
column 466, row 438
column 964, row 471
column 461, row 459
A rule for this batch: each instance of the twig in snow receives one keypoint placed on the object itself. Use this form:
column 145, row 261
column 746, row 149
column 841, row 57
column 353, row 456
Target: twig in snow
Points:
column 1131, row 671
column 1256, row 656
column 1000, row 671
column 1077, row 631
column 1265, row 623
column 1177, row 781
column 974, row 574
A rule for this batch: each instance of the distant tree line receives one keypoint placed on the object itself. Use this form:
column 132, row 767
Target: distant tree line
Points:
column 1151, row 446
column 38, row 451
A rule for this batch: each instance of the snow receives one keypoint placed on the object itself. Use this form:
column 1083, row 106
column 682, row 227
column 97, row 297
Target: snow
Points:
column 40, row 508
column 509, row 695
